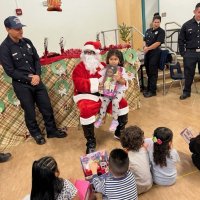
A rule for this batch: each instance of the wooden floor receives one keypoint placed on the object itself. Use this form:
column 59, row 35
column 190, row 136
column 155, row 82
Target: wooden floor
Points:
column 169, row 111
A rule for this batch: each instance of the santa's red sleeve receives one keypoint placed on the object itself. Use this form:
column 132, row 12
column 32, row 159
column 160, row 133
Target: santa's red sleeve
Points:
column 83, row 82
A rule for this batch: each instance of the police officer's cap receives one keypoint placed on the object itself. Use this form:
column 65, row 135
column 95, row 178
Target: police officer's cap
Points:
column 13, row 22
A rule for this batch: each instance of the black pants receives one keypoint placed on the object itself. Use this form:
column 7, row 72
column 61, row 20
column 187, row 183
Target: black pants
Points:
column 190, row 59
column 28, row 96
column 196, row 160
column 89, row 134
column 151, row 62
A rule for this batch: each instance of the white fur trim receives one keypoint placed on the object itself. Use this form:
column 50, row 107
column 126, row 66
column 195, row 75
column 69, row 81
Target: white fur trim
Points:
column 94, row 85
column 86, row 121
column 91, row 47
column 79, row 97
column 123, row 111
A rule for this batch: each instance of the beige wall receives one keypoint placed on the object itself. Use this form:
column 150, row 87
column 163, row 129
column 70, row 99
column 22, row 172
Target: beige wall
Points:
column 130, row 12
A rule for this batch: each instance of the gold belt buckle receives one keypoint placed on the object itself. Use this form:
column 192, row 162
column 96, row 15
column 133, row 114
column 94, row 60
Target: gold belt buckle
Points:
column 198, row 50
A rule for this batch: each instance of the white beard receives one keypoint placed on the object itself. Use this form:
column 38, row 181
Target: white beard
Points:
column 91, row 62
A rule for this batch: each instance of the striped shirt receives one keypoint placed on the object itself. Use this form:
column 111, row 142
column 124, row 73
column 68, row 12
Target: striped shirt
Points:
column 123, row 188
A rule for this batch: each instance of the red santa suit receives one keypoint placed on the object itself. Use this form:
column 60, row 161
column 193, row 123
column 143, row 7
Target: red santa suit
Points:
column 86, row 77
column 86, row 94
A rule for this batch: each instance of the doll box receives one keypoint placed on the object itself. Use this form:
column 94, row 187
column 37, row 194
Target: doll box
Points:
column 100, row 157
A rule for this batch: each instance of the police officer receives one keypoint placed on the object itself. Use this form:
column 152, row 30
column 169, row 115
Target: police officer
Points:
column 154, row 37
column 21, row 62
column 189, row 48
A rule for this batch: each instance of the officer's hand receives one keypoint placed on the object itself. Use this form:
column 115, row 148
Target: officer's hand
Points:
column 146, row 49
column 35, row 80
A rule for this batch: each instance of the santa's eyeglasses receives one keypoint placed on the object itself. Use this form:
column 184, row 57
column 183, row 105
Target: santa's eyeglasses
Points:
column 89, row 52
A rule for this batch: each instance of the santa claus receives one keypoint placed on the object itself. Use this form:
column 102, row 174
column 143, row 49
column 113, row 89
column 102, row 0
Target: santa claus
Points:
column 86, row 76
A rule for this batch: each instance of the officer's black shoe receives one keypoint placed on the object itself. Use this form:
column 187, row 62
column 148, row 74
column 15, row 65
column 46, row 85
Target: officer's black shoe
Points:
column 184, row 96
column 57, row 134
column 4, row 157
column 40, row 139
column 149, row 94
column 145, row 91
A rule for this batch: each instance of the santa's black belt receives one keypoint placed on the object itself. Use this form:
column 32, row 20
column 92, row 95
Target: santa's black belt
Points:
column 96, row 94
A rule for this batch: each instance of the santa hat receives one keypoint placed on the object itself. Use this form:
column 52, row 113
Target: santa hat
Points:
column 93, row 46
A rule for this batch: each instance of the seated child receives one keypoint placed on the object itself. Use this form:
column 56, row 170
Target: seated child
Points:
column 163, row 157
column 114, row 83
column 194, row 146
column 120, row 184
column 46, row 183
column 132, row 139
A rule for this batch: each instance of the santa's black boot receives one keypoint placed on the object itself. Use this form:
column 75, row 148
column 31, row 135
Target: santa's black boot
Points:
column 88, row 131
column 123, row 119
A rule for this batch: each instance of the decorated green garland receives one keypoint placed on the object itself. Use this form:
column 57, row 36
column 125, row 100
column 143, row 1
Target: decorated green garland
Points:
column 2, row 106
column 59, row 67
column 61, row 87
column 43, row 71
column 130, row 55
column 12, row 98
column 7, row 78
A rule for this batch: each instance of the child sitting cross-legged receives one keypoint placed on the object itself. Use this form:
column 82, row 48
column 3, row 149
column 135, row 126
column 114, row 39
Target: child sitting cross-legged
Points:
column 132, row 139
column 120, row 182
column 46, row 183
column 163, row 157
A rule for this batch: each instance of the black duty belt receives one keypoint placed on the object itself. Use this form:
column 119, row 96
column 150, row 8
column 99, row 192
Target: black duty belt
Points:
column 193, row 50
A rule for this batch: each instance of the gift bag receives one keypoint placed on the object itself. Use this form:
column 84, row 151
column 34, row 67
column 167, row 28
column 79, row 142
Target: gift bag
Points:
column 84, row 189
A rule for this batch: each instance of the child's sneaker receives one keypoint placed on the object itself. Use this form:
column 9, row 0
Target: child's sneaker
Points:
column 113, row 125
column 98, row 123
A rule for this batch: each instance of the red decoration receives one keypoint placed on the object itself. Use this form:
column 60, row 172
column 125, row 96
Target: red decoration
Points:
column 50, row 57
column 54, row 5
column 18, row 11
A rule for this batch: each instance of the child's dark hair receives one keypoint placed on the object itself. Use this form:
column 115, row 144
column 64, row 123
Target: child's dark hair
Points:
column 132, row 138
column 45, row 184
column 162, row 136
column 117, row 53
column 118, row 162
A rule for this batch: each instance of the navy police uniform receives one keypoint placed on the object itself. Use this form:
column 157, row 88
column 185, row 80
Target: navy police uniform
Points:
column 189, row 48
column 152, row 57
column 20, row 61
